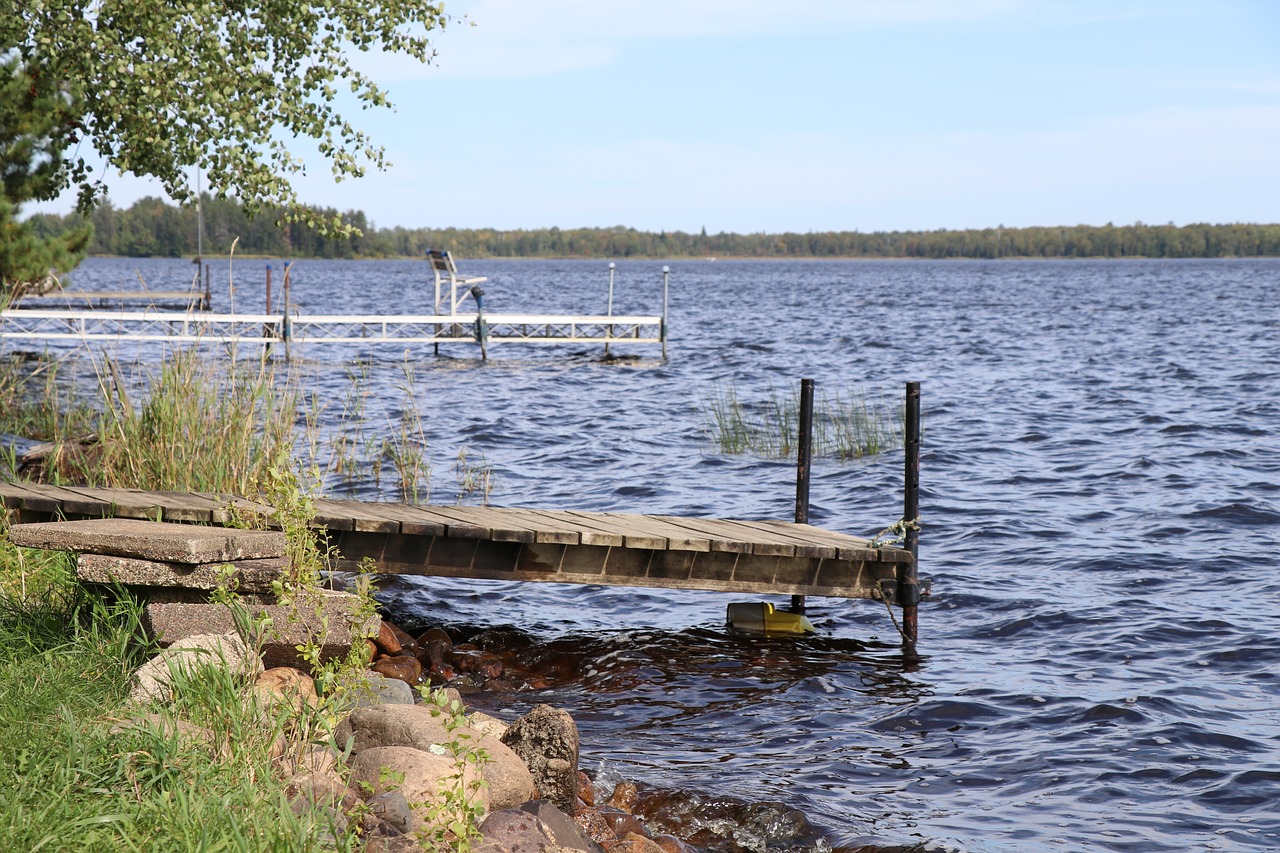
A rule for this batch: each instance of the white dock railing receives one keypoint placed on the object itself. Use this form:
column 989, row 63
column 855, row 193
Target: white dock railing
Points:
column 100, row 325
column 94, row 326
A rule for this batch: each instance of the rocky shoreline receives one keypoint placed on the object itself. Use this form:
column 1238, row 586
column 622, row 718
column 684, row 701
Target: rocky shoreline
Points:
column 399, row 768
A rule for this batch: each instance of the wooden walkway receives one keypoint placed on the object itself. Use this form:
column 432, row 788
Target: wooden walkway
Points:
column 771, row 557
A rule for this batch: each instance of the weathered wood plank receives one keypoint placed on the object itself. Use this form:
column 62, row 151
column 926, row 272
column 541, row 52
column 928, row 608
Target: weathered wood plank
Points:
column 11, row 495
column 588, row 533
column 679, row 538
column 545, row 529
column 610, row 527
column 761, row 544
column 743, row 537
column 54, row 500
column 122, row 503
column 461, row 525
column 412, row 520
column 781, row 533
column 181, row 506
column 344, row 514
column 847, row 547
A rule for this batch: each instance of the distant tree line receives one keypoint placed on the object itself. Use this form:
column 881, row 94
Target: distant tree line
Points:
column 152, row 227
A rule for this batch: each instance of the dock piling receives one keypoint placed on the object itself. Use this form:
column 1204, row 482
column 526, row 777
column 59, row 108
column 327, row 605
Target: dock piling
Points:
column 609, row 309
column 666, row 274
column 482, row 328
column 908, row 574
column 804, row 456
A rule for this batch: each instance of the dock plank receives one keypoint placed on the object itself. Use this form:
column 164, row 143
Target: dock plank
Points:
column 761, row 544
column 341, row 514
column 679, row 538
column 587, row 533
column 631, row 537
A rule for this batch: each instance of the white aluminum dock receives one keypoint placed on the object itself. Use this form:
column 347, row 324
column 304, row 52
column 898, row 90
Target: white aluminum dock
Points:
column 101, row 325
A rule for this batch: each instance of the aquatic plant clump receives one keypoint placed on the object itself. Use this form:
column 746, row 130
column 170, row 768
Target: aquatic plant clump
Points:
column 845, row 424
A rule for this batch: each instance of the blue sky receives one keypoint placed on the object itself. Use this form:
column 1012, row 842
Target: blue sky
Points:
column 811, row 115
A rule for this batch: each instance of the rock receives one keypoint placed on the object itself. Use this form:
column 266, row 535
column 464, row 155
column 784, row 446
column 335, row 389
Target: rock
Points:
column 591, row 822
column 671, row 844
column 288, row 686
column 392, row 808
column 423, row 727
column 586, row 789
column 165, row 726
column 395, row 844
column 153, row 680
column 408, row 645
column 547, row 739
column 635, row 843
column 486, row 724
column 623, row 824
column 421, row 777
column 625, row 796
column 322, row 789
column 563, row 830
column 404, row 668
column 387, row 641
column 374, row 689
column 524, row 831
column 435, row 636
column 150, row 540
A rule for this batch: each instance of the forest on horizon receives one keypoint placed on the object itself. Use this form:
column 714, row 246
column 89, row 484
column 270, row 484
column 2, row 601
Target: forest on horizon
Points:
column 151, row 227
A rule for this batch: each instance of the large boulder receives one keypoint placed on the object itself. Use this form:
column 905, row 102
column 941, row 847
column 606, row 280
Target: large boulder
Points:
column 424, row 778
column 154, row 679
column 424, row 727
column 546, row 739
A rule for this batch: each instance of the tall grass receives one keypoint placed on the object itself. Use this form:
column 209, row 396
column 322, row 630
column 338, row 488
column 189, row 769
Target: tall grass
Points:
column 79, row 770
column 845, row 424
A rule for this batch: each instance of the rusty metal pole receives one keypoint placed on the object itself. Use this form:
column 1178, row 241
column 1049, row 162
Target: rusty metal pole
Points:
column 804, row 456
column 908, row 576
column 268, row 311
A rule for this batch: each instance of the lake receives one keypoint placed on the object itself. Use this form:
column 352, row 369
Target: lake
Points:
column 1101, row 509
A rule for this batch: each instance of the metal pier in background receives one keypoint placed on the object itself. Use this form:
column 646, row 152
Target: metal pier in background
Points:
column 100, row 325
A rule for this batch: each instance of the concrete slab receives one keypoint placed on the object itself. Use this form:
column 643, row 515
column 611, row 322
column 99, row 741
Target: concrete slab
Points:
column 249, row 575
column 150, row 540
column 330, row 619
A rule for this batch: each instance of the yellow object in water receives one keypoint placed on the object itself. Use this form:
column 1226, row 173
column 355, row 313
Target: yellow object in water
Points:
column 762, row 618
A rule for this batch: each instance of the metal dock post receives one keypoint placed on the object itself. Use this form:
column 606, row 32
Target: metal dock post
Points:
column 666, row 272
column 908, row 575
column 804, row 456
column 609, row 310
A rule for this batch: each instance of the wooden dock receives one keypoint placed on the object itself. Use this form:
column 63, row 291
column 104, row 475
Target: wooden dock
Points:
column 557, row 546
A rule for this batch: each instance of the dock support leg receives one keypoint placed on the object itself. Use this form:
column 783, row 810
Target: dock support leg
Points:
column 908, row 576
column 804, row 456
column 666, row 275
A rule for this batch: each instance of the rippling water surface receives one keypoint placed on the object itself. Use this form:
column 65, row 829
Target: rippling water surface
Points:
column 1101, row 472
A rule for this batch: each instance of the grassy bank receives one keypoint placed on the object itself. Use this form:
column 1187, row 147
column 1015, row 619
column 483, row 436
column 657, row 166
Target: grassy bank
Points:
column 81, row 770
column 80, row 767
